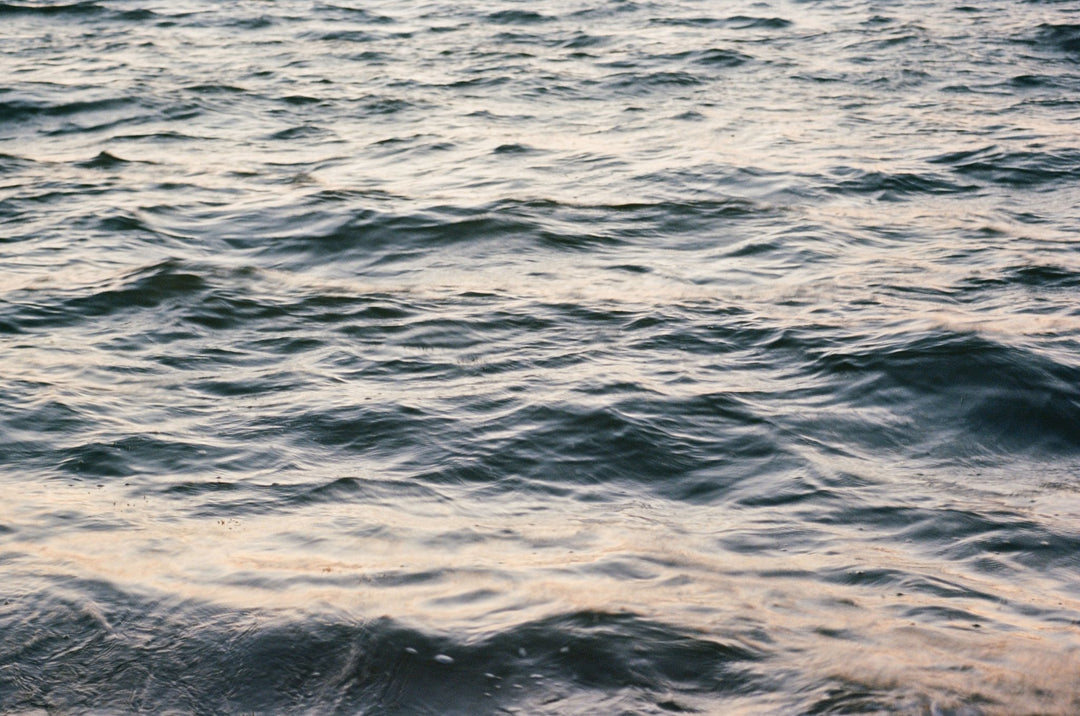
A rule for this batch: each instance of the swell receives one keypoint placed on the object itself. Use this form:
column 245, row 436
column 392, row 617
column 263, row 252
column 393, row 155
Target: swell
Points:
column 1031, row 168
column 79, row 10
column 735, row 22
column 955, row 396
column 895, row 185
column 1062, row 37
column 18, row 110
column 151, row 287
column 86, row 646
column 75, row 9
column 330, row 227
column 682, row 451
column 991, row 542
column 936, row 394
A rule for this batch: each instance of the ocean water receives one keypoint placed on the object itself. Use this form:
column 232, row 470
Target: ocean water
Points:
column 577, row 357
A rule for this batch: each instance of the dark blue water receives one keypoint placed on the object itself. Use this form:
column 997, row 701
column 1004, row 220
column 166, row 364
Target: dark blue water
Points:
column 581, row 357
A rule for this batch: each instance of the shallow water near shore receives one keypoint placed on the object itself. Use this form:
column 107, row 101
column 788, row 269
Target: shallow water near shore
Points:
column 569, row 358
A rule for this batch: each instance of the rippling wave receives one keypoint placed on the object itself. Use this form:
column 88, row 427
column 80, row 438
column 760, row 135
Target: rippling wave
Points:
column 586, row 358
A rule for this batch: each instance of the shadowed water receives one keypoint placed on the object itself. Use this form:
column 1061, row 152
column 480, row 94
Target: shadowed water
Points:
column 589, row 357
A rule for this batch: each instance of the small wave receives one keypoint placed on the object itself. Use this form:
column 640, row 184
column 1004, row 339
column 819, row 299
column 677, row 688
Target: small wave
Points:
column 10, row 163
column 735, row 22
column 963, row 395
column 260, row 22
column 378, row 236
column 300, row 100
column 138, row 15
column 357, row 14
column 582, row 40
column 517, row 17
column 104, row 160
column 122, row 223
column 1034, row 81
column 25, row 423
column 371, row 430
column 202, row 659
column 360, row 490
column 895, row 185
column 1048, row 277
column 77, row 8
column 713, row 57
column 1063, row 37
column 136, row 454
column 1043, row 276
column 216, row 88
column 304, row 131
column 386, row 105
column 1014, row 168
column 163, row 136
column 716, row 57
column 982, row 539
column 346, row 36
column 513, row 149
column 368, row 235
column 151, row 287
column 692, row 451
column 743, row 22
column 644, row 81
column 13, row 111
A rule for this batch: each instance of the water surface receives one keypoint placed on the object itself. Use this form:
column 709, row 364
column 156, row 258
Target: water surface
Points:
column 569, row 358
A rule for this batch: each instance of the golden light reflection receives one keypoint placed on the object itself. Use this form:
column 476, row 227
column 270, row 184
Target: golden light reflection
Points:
column 475, row 569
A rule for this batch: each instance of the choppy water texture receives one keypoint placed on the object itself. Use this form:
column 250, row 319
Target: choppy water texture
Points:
column 575, row 357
